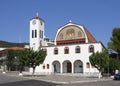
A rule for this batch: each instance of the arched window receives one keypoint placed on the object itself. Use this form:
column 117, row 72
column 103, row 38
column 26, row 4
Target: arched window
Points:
column 91, row 48
column 66, row 50
column 87, row 65
column 77, row 49
column 55, row 51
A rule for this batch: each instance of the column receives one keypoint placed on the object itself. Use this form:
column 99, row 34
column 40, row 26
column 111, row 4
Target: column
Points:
column 61, row 71
column 72, row 67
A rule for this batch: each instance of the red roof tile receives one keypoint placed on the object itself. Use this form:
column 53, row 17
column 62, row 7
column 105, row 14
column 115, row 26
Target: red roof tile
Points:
column 89, row 35
column 15, row 48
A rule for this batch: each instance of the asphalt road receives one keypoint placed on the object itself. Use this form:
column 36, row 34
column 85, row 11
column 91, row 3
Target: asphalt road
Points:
column 6, row 80
column 98, row 83
column 28, row 83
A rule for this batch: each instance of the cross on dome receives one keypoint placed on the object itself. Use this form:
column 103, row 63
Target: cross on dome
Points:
column 37, row 14
column 70, row 21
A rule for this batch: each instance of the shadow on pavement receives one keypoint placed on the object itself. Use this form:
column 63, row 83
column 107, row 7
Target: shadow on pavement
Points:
column 28, row 83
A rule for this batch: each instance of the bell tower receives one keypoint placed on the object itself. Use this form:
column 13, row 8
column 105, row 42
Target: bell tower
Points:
column 36, row 32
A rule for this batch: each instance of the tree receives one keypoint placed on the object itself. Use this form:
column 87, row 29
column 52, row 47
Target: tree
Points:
column 99, row 60
column 22, row 58
column 114, row 64
column 35, row 58
column 9, row 59
column 115, row 45
column 115, row 40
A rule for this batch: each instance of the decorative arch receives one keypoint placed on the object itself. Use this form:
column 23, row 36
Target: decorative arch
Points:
column 56, row 66
column 67, row 66
column 71, row 34
column 78, row 66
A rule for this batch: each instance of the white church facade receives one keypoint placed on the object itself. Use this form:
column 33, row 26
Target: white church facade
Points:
column 70, row 51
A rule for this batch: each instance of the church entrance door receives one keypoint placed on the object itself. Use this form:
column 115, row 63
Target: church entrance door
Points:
column 69, row 67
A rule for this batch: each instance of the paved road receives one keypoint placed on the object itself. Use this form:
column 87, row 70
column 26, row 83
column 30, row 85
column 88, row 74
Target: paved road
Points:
column 6, row 80
column 58, row 78
column 98, row 83
column 65, row 79
column 10, row 79
column 28, row 83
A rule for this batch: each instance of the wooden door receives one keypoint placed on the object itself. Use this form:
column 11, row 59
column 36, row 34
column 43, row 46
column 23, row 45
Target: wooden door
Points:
column 69, row 67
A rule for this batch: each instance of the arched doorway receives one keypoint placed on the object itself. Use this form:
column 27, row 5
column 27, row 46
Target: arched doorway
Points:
column 56, row 67
column 78, row 66
column 67, row 67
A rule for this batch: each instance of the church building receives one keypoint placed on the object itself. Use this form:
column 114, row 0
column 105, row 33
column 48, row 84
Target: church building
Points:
column 70, row 51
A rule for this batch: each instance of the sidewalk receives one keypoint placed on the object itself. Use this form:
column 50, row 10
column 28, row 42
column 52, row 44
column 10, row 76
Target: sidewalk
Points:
column 61, row 78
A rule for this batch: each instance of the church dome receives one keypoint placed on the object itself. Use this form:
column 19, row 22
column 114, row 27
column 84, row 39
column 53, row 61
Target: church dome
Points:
column 73, row 34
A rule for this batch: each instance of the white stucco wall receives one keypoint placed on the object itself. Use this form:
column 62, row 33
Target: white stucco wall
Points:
column 83, row 56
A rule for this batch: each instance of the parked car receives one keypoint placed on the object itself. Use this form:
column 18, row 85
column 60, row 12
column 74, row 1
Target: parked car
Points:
column 117, row 76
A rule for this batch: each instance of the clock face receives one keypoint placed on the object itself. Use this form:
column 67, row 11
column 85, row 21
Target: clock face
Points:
column 34, row 22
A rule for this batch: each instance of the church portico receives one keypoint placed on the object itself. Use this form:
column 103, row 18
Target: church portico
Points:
column 67, row 66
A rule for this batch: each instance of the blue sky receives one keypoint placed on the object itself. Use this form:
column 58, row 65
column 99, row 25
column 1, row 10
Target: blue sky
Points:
column 98, row 16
